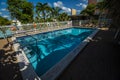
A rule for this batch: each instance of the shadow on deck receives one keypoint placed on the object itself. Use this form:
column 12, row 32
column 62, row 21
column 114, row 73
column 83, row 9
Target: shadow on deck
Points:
column 9, row 69
column 98, row 61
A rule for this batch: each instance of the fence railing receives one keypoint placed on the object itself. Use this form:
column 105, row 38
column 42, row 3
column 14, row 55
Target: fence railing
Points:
column 33, row 28
column 92, row 23
column 5, row 31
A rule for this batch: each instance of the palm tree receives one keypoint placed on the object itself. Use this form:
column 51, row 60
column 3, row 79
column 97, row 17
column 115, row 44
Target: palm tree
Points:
column 43, row 10
column 55, row 12
column 63, row 17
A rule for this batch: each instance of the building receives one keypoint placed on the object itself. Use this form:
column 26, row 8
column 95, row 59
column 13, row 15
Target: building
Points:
column 99, row 0
column 77, row 20
column 92, row 1
column 73, row 11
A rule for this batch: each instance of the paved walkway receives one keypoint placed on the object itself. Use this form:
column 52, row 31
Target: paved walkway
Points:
column 9, row 69
column 98, row 61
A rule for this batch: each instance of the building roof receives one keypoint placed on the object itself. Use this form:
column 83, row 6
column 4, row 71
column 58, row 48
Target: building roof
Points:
column 92, row 1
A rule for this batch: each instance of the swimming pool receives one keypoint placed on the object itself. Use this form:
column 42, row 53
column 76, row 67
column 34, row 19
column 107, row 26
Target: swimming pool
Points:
column 45, row 50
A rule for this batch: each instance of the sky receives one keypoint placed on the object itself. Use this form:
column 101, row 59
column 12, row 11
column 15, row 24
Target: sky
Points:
column 65, row 5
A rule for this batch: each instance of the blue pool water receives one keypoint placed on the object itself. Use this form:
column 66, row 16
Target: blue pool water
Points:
column 51, row 47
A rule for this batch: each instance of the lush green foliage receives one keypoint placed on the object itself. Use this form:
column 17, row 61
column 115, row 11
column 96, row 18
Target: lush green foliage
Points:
column 63, row 17
column 100, row 5
column 46, row 13
column 56, row 12
column 94, row 10
column 113, row 12
column 4, row 21
column 21, row 10
column 89, row 11
column 43, row 11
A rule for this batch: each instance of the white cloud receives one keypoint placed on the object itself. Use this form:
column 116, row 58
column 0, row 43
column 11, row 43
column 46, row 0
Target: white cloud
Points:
column 3, row 3
column 0, row 12
column 49, row 4
column 60, row 5
column 4, row 9
column 5, row 16
column 85, row 1
column 66, row 9
column 82, row 5
column 78, row 10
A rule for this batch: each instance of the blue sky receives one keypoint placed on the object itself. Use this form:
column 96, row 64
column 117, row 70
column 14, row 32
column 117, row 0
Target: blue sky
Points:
column 65, row 5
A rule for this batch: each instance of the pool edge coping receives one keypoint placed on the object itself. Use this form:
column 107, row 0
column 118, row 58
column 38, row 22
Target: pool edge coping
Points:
column 25, row 66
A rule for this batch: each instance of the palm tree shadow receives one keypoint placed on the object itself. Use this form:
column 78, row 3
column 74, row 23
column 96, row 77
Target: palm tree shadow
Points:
column 8, row 45
column 2, row 53
column 9, row 66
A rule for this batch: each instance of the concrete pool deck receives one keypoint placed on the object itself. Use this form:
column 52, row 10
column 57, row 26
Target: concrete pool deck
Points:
column 98, row 61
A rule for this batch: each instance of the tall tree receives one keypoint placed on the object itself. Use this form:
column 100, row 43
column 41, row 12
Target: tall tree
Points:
column 43, row 11
column 55, row 12
column 101, row 6
column 21, row 10
column 4, row 21
column 113, row 12
column 63, row 17
column 90, row 9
